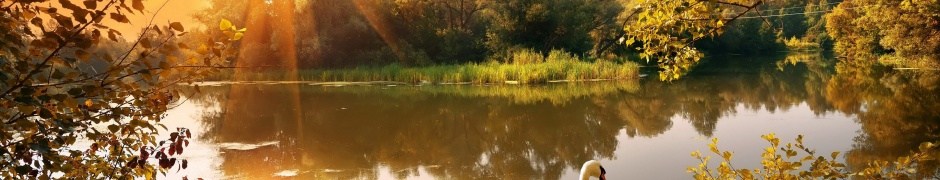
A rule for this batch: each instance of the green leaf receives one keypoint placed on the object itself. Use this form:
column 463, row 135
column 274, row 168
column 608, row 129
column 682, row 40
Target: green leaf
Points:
column 835, row 154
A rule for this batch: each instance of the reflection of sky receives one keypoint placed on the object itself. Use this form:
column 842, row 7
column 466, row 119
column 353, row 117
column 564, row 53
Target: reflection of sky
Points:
column 661, row 157
column 666, row 156
column 203, row 157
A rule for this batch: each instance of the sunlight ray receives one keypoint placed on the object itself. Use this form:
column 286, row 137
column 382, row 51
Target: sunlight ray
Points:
column 380, row 25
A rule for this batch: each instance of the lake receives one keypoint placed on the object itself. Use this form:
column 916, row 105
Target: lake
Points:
column 638, row 129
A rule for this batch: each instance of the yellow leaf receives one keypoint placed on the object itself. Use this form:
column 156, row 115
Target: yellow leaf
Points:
column 713, row 148
column 807, row 158
column 203, row 49
column 26, row 109
column 238, row 36
column 225, row 24
column 88, row 102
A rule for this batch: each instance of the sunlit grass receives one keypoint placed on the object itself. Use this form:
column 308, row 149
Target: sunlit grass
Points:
column 801, row 45
column 556, row 93
column 476, row 73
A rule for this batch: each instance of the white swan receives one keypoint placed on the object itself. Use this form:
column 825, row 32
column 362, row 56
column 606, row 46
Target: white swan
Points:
column 592, row 168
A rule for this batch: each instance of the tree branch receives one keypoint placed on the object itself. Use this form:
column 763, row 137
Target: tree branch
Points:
column 19, row 84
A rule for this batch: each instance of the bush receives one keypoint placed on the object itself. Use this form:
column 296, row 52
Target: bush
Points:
column 783, row 166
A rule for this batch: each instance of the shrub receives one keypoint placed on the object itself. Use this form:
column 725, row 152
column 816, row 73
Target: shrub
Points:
column 779, row 163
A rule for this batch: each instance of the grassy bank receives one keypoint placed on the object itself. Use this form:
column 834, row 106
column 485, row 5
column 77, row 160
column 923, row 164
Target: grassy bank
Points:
column 527, row 72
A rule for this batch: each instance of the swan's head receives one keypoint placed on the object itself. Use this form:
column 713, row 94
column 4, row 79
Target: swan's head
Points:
column 593, row 168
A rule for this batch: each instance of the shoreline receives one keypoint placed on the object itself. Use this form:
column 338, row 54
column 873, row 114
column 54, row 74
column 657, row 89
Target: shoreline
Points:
column 388, row 83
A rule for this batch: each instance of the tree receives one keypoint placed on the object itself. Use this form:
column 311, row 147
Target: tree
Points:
column 547, row 25
column 901, row 33
column 62, row 88
column 667, row 30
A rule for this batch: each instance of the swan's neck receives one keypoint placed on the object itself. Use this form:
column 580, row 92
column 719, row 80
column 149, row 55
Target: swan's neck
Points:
column 585, row 175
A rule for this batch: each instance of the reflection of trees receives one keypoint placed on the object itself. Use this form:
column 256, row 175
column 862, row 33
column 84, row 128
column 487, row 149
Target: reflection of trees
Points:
column 537, row 132
column 897, row 110
column 451, row 136
column 717, row 88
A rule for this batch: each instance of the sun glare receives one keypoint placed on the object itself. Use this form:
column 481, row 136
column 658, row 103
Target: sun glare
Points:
column 380, row 24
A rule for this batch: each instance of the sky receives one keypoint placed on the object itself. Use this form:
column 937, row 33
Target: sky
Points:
column 174, row 11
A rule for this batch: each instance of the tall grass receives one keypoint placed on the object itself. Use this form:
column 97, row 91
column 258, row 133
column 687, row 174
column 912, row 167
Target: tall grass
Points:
column 801, row 45
column 527, row 68
column 556, row 93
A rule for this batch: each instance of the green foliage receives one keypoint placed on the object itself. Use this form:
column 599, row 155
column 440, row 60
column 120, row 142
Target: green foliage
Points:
column 526, row 56
column 73, row 109
column 783, row 162
column 558, row 69
column 798, row 44
column 667, row 29
column 746, row 36
column 545, row 25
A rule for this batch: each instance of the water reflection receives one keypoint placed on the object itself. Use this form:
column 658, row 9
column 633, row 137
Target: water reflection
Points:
column 453, row 136
column 546, row 131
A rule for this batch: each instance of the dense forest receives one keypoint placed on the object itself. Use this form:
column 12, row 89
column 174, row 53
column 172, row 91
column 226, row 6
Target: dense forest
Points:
column 340, row 33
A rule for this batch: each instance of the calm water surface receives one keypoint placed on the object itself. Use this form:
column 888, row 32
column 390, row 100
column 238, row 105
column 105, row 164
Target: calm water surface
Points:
column 642, row 129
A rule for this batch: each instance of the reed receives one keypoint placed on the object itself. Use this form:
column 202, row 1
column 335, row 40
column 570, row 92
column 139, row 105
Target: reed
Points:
column 556, row 66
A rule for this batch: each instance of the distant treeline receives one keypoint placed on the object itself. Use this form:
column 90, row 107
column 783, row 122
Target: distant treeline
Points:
column 349, row 33
column 345, row 33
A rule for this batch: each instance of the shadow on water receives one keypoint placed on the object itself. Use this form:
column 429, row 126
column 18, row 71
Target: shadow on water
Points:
column 543, row 131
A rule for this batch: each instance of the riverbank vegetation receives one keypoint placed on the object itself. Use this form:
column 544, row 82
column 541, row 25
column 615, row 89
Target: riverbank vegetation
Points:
column 349, row 35
column 526, row 67
column 784, row 162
